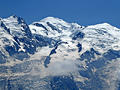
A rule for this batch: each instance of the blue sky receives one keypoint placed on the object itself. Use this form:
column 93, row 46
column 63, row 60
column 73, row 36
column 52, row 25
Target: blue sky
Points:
column 84, row 12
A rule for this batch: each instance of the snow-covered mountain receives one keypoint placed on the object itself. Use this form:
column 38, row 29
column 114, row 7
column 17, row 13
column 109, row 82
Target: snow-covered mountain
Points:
column 52, row 54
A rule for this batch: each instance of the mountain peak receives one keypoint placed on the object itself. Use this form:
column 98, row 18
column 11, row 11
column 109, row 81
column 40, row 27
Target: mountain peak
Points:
column 17, row 26
column 51, row 19
column 13, row 16
column 54, row 20
column 102, row 26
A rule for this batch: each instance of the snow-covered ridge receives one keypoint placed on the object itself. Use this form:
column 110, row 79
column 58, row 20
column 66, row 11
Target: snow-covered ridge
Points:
column 59, row 29
column 103, row 26
column 17, row 26
column 53, row 27
column 101, row 37
column 94, row 34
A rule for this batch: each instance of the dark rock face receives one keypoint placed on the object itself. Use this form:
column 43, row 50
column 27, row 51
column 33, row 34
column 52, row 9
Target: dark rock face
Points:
column 11, row 50
column 63, row 82
column 3, row 26
column 89, row 54
column 79, row 47
column 40, row 25
column 78, row 35
column 112, row 54
column 2, row 58
column 53, row 27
